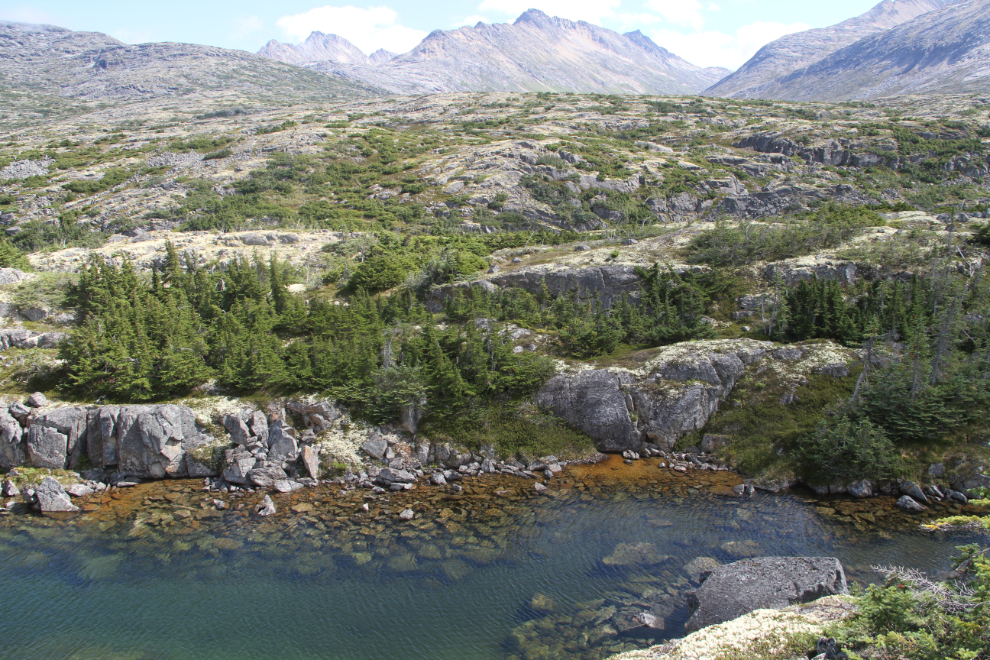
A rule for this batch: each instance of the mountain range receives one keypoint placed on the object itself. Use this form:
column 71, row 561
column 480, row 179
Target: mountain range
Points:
column 898, row 47
column 535, row 53
column 91, row 65
column 902, row 47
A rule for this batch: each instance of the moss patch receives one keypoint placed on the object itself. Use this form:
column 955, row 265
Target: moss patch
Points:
column 512, row 429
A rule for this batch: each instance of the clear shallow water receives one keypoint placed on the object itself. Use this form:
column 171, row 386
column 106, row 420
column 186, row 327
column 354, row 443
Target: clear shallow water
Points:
column 484, row 576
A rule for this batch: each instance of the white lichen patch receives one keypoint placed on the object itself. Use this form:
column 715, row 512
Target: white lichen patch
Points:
column 763, row 633
column 210, row 410
column 693, row 351
column 343, row 442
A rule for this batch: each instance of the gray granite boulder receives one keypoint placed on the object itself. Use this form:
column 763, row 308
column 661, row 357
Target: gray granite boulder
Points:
column 52, row 498
column 594, row 403
column 153, row 441
column 238, row 430
column 733, row 590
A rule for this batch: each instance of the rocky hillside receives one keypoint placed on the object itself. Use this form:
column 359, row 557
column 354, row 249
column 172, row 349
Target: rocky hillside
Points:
column 93, row 66
column 941, row 52
column 635, row 274
column 794, row 52
column 536, row 53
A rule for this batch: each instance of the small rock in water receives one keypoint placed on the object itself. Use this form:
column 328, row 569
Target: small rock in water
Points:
column 542, row 603
column 908, row 503
column 267, row 507
column 861, row 489
column 912, row 490
column 79, row 490
column 539, row 488
column 220, row 505
column 456, row 488
column 365, row 507
column 628, row 461
column 287, row 485
column 408, row 514
column 438, row 479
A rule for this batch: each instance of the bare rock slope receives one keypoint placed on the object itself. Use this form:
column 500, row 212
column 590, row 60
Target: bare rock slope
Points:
column 792, row 53
column 942, row 52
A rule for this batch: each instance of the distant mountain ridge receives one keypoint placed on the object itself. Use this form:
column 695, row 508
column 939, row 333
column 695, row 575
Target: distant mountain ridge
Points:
column 92, row 65
column 321, row 47
column 535, row 53
column 758, row 77
column 946, row 51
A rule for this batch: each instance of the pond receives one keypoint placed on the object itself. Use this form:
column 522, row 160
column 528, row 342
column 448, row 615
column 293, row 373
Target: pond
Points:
column 496, row 572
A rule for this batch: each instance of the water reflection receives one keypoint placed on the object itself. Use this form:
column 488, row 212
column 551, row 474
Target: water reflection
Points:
column 495, row 572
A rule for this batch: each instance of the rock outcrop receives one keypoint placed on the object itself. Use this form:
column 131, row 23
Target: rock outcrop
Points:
column 672, row 394
column 736, row 589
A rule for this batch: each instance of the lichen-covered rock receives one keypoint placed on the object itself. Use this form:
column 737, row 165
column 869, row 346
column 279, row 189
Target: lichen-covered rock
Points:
column 756, row 634
column 736, row 589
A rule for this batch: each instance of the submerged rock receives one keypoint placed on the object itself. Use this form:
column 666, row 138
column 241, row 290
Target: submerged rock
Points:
column 633, row 554
column 765, row 583
column 266, row 507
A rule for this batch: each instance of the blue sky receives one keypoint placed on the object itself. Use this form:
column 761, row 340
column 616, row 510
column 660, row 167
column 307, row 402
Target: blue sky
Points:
column 705, row 32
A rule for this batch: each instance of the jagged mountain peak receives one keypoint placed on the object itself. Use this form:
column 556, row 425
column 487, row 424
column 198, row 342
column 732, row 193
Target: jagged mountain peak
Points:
column 318, row 47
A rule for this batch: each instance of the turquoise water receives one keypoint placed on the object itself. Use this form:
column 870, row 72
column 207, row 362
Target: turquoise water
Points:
column 482, row 576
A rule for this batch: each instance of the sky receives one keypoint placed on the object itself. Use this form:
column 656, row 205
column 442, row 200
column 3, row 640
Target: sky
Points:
column 705, row 32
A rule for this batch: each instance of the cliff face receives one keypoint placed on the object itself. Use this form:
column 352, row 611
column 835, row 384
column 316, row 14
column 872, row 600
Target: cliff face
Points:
column 794, row 52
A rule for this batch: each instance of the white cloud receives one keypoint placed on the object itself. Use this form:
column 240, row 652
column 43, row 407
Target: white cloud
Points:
column 592, row 11
column 679, row 12
column 368, row 29
column 245, row 26
column 719, row 49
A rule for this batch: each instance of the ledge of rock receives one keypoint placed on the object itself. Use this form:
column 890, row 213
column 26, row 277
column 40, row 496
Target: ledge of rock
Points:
column 748, row 635
column 736, row 589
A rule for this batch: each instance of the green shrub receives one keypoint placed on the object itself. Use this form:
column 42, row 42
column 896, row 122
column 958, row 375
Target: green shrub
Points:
column 747, row 242
column 844, row 448
column 381, row 272
column 111, row 178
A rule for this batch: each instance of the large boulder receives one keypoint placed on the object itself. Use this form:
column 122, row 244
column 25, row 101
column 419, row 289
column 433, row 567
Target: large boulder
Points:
column 734, row 590
column 594, row 403
column 52, row 497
